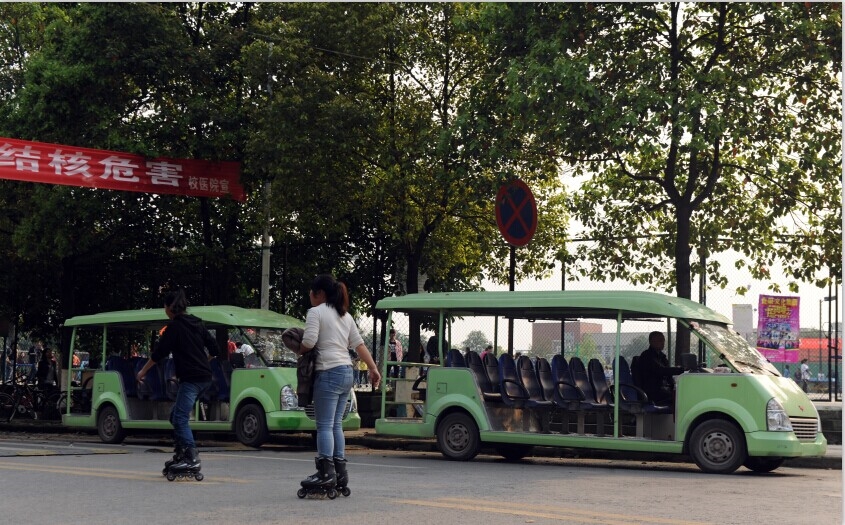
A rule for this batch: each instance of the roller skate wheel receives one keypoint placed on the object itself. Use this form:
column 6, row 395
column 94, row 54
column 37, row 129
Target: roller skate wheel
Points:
column 345, row 491
column 198, row 476
column 331, row 493
column 301, row 493
column 164, row 471
column 170, row 476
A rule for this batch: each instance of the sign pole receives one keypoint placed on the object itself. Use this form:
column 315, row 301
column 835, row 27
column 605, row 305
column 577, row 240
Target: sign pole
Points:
column 511, row 278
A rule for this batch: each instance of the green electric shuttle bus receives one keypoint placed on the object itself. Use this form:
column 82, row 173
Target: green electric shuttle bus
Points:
column 253, row 391
column 580, row 384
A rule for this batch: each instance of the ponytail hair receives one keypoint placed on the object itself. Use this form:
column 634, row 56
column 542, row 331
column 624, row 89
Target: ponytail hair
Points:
column 336, row 294
column 176, row 301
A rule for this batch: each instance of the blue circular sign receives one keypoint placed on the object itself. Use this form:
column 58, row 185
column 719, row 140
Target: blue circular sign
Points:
column 516, row 213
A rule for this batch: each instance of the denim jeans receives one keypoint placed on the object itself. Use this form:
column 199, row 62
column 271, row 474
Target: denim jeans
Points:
column 331, row 390
column 181, row 412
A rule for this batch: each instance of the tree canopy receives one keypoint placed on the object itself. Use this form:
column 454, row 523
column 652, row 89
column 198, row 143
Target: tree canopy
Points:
column 373, row 138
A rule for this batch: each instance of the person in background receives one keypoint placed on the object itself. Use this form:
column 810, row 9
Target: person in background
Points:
column 487, row 350
column 330, row 327
column 396, row 353
column 805, row 375
column 47, row 375
column 186, row 339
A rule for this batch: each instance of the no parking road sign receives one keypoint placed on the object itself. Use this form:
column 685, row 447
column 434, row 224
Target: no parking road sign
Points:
column 516, row 213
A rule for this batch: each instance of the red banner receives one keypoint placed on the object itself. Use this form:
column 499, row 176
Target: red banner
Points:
column 110, row 170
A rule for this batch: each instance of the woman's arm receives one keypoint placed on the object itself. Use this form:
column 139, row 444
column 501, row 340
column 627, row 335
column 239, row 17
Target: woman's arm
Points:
column 364, row 355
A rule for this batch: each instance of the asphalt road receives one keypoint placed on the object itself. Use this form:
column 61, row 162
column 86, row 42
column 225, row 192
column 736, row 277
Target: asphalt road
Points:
column 72, row 479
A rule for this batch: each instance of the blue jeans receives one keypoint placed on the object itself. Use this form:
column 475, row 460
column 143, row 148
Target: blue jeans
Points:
column 181, row 412
column 331, row 390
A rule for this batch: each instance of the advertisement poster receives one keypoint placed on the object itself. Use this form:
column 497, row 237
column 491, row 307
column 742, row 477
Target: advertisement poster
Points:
column 778, row 328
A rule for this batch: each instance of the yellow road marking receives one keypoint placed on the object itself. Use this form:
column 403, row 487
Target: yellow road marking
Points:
column 547, row 512
column 102, row 473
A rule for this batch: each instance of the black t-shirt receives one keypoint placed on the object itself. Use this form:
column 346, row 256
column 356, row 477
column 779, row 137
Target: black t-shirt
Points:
column 186, row 339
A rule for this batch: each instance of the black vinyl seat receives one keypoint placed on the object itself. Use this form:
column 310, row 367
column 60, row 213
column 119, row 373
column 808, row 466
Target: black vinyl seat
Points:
column 513, row 393
column 582, row 382
column 454, row 358
column 544, row 376
column 476, row 366
column 634, row 399
column 566, row 394
column 491, row 366
column 601, row 389
column 528, row 378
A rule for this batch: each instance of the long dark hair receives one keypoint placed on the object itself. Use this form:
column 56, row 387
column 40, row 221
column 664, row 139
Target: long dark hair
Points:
column 177, row 301
column 336, row 294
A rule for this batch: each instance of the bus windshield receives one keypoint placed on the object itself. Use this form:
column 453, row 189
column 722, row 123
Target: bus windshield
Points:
column 267, row 343
column 730, row 346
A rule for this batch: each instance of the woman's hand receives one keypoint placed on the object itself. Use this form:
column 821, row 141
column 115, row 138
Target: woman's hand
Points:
column 375, row 377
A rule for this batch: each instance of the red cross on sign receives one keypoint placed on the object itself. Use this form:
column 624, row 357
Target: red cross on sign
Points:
column 516, row 213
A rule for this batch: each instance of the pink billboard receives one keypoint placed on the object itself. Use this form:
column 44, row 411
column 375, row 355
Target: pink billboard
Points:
column 778, row 327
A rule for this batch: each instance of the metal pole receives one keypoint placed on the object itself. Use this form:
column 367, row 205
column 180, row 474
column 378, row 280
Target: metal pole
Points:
column 265, row 252
column 511, row 278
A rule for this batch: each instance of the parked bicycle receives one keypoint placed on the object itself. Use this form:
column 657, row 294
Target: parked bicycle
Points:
column 28, row 401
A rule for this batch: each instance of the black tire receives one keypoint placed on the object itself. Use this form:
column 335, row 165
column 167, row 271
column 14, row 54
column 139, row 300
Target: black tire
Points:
column 7, row 407
column 108, row 425
column 762, row 464
column 457, row 437
column 717, row 446
column 251, row 426
column 514, row 452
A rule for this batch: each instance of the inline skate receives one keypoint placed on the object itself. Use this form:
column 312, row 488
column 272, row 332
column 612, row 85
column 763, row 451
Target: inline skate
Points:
column 342, row 477
column 178, row 452
column 321, row 483
column 188, row 467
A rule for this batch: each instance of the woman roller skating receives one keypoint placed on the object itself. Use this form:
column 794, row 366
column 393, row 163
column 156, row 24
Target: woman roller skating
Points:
column 330, row 329
column 186, row 339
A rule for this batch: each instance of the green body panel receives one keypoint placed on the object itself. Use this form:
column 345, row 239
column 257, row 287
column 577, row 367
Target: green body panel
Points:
column 108, row 389
column 454, row 388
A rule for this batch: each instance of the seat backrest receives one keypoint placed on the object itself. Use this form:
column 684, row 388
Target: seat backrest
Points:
column 153, row 385
column 237, row 360
column 626, row 381
column 114, row 363
column 599, row 381
column 491, row 366
column 477, row 368
column 580, row 378
column 454, row 358
column 528, row 377
column 219, row 388
column 544, row 376
column 635, row 372
column 509, row 382
column 564, row 385
column 171, row 385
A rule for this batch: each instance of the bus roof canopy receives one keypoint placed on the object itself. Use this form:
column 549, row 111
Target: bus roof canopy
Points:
column 554, row 304
column 211, row 315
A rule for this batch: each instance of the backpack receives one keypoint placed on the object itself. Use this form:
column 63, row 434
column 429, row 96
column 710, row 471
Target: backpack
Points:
column 305, row 365
column 797, row 375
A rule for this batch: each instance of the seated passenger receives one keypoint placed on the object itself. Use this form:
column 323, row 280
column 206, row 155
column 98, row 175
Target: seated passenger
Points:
column 655, row 373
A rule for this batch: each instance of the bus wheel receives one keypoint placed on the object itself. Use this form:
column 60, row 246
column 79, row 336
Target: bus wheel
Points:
column 251, row 426
column 717, row 446
column 457, row 437
column 514, row 452
column 108, row 425
column 762, row 464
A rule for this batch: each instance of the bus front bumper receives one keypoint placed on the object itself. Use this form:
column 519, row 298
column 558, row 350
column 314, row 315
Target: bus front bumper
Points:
column 784, row 444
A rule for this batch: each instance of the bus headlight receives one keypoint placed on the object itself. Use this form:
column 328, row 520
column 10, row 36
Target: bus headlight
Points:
column 288, row 399
column 776, row 418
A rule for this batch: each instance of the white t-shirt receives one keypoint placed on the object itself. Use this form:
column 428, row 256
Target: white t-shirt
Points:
column 332, row 334
column 805, row 371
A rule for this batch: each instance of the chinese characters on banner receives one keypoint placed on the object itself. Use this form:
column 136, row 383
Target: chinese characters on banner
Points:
column 92, row 168
column 778, row 328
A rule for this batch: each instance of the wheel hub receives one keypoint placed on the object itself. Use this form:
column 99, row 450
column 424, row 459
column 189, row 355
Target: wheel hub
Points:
column 718, row 447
